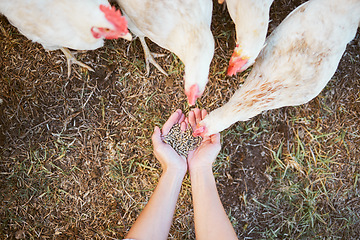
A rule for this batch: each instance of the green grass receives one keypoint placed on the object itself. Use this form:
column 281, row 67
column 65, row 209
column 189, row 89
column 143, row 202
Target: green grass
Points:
column 77, row 159
column 303, row 200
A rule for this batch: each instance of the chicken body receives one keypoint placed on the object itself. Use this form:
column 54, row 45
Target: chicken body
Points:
column 180, row 26
column 299, row 59
column 58, row 24
column 251, row 18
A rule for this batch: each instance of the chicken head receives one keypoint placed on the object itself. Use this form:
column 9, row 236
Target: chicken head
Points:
column 251, row 18
column 118, row 22
column 197, row 61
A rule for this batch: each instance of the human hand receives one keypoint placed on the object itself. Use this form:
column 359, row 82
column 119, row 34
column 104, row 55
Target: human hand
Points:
column 164, row 153
column 206, row 153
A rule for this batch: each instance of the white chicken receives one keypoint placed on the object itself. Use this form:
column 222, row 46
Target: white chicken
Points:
column 251, row 18
column 299, row 59
column 180, row 26
column 62, row 24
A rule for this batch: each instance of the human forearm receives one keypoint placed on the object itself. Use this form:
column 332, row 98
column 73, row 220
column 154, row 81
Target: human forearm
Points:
column 155, row 220
column 211, row 221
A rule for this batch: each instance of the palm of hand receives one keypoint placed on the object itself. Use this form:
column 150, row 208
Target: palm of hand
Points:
column 205, row 154
column 173, row 160
column 202, row 157
column 166, row 155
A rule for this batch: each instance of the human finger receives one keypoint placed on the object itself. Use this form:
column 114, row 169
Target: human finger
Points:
column 186, row 120
column 182, row 118
column 192, row 120
column 197, row 115
column 183, row 126
column 203, row 114
column 171, row 121
column 215, row 138
column 156, row 137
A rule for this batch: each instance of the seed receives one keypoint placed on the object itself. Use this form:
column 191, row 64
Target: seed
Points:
column 182, row 142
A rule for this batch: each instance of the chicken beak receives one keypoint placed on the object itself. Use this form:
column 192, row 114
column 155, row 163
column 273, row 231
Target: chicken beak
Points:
column 193, row 94
column 127, row 36
column 198, row 131
column 191, row 100
column 237, row 61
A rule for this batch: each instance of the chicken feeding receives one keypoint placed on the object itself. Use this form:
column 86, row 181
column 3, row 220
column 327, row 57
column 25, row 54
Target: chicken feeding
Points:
column 251, row 18
column 62, row 24
column 299, row 59
column 180, row 26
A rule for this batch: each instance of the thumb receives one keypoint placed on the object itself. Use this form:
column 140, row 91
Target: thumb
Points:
column 215, row 138
column 156, row 137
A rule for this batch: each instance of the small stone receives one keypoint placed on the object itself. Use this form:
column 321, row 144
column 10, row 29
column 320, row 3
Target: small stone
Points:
column 20, row 234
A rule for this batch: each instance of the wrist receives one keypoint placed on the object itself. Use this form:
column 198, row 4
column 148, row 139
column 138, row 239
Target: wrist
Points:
column 201, row 170
column 174, row 173
column 202, row 178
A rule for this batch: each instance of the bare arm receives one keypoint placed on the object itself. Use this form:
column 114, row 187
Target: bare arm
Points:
column 155, row 220
column 211, row 221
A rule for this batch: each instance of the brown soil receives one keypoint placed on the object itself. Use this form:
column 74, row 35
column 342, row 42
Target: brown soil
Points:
column 75, row 154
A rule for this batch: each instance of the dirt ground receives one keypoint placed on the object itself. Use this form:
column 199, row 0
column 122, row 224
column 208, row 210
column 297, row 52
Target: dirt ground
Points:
column 76, row 157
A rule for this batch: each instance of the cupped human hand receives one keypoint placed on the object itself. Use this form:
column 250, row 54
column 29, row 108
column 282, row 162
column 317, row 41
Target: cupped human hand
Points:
column 204, row 156
column 165, row 154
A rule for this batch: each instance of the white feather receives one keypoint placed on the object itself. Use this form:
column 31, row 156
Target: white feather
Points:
column 251, row 18
column 180, row 26
column 58, row 23
column 299, row 59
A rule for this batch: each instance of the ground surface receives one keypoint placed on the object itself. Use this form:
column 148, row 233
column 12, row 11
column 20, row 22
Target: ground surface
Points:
column 76, row 158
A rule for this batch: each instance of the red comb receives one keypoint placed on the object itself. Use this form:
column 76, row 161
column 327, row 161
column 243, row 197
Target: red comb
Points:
column 114, row 16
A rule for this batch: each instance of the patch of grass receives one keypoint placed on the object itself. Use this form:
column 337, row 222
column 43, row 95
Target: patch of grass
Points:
column 76, row 156
column 303, row 199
